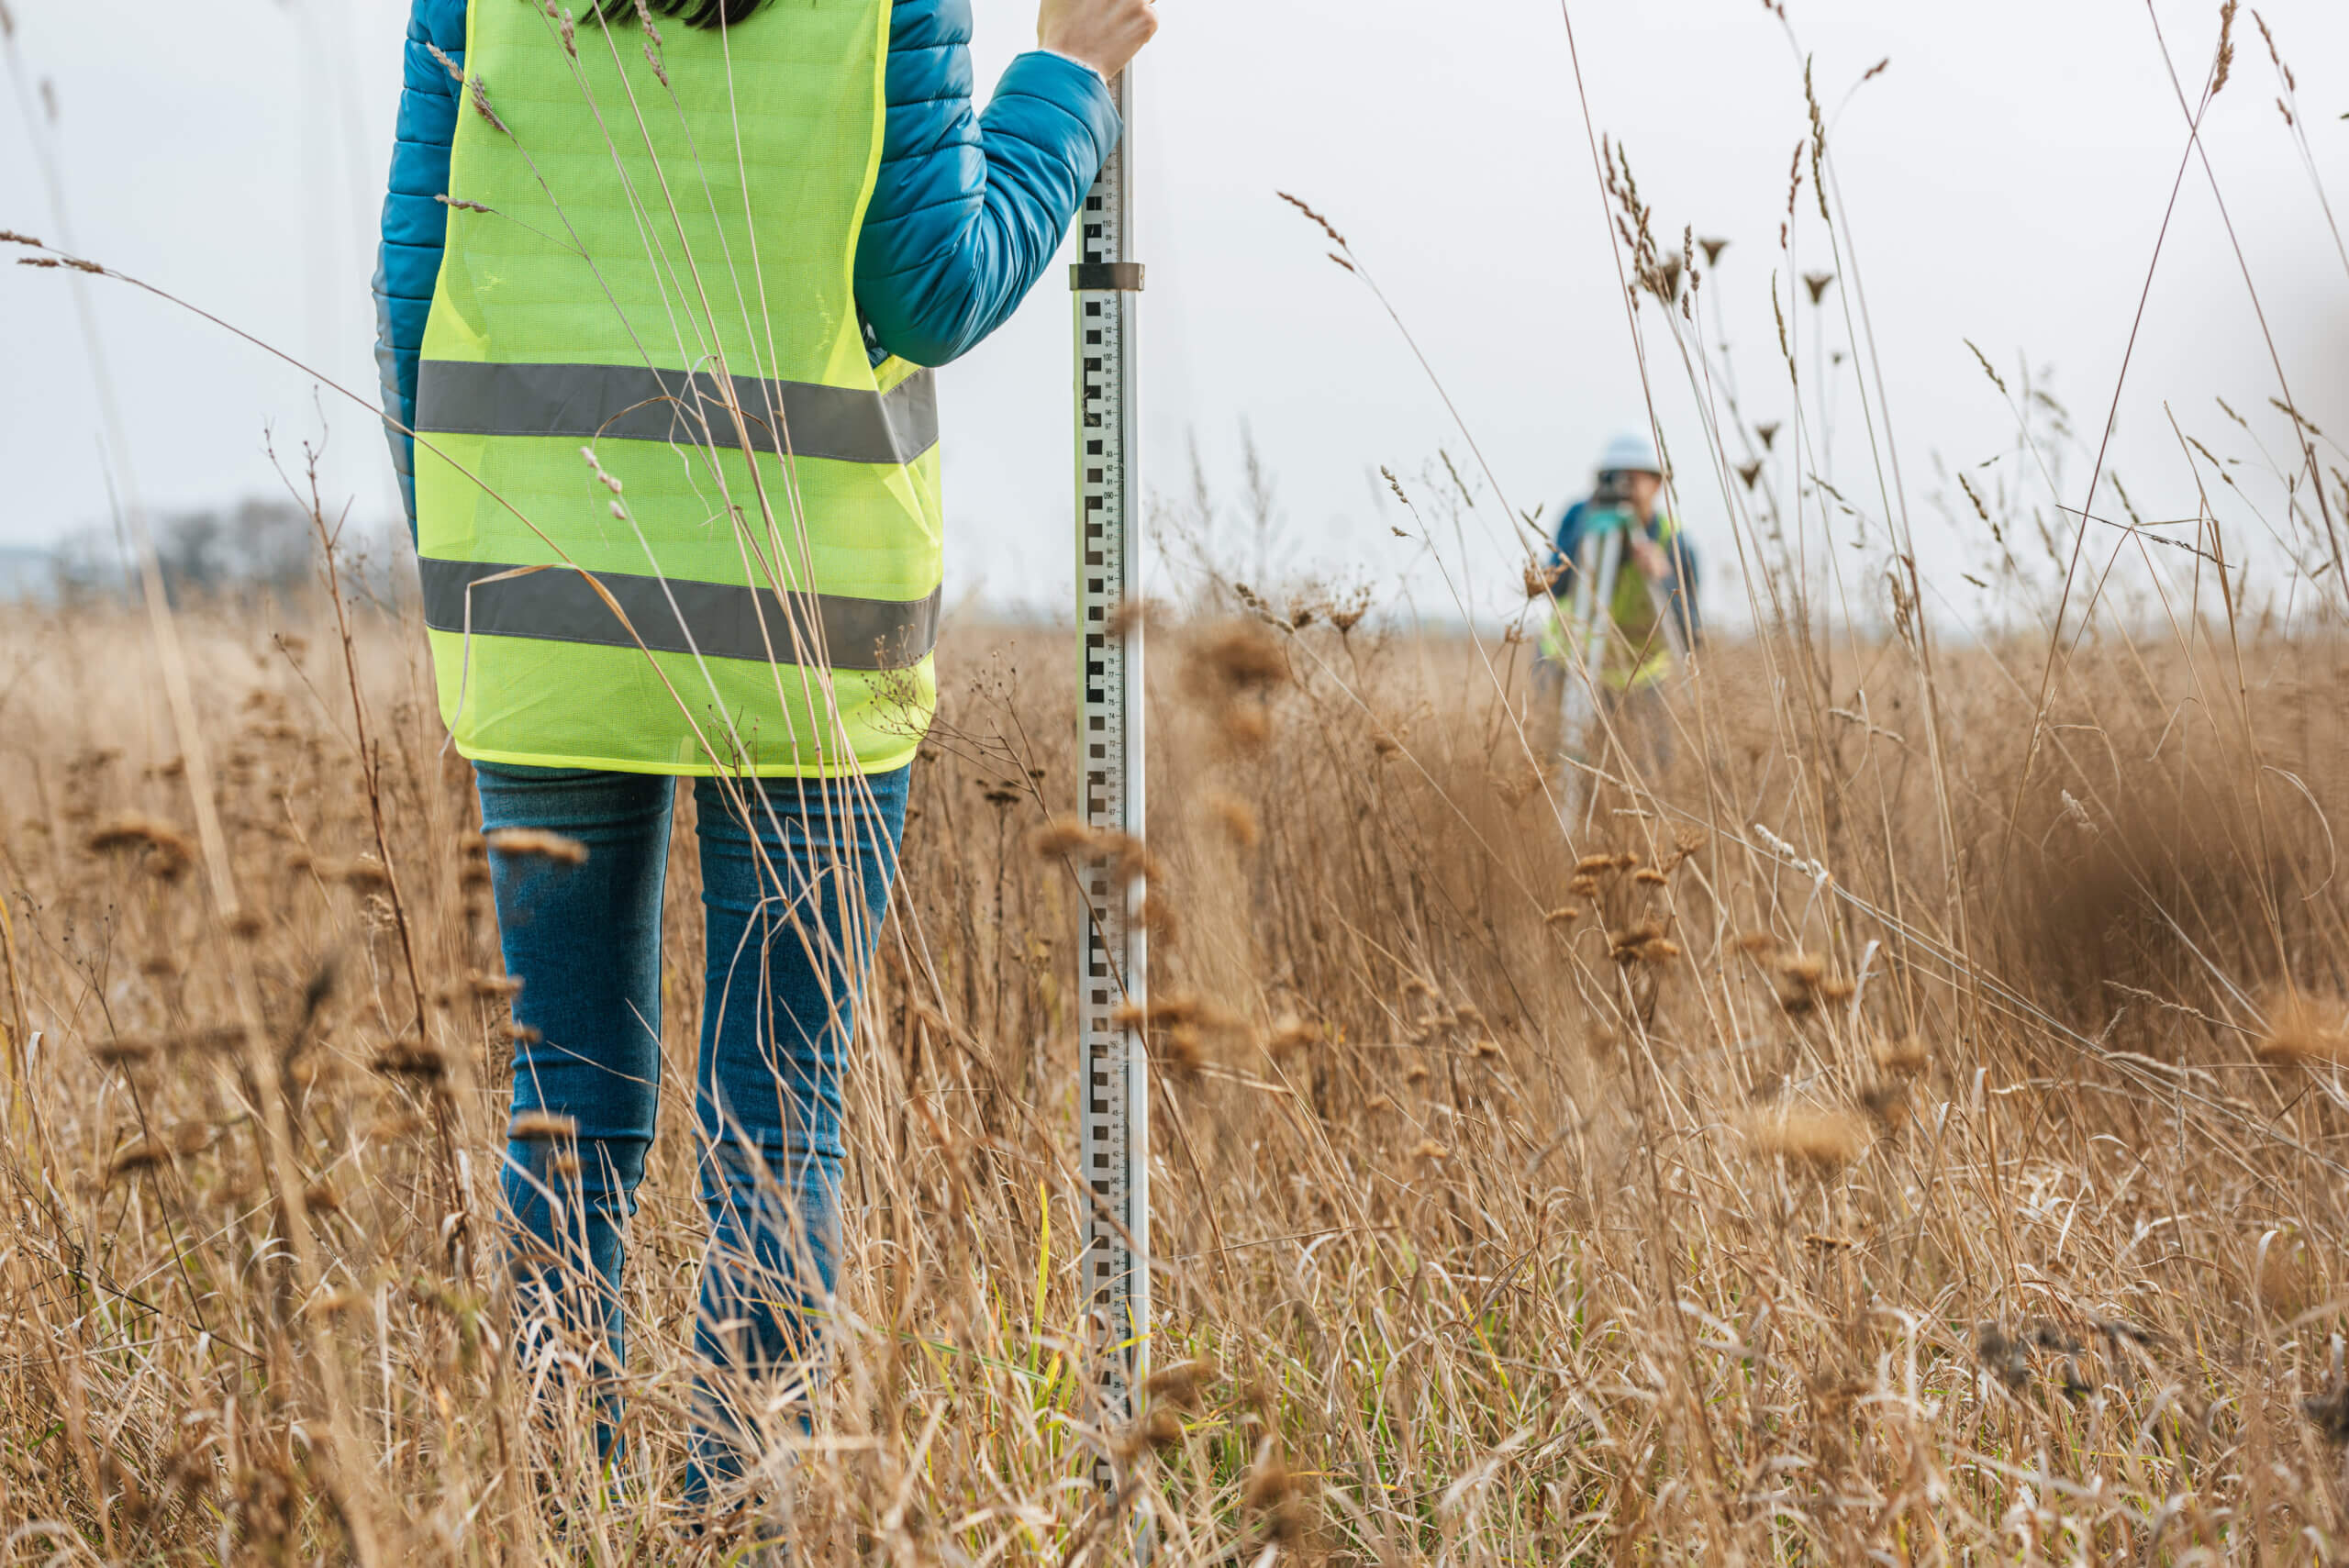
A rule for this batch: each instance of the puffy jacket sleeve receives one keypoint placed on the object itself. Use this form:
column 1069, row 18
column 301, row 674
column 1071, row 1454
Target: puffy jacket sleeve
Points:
column 969, row 208
column 415, row 224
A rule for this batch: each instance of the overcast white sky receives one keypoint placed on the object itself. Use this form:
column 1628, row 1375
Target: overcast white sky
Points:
column 2006, row 178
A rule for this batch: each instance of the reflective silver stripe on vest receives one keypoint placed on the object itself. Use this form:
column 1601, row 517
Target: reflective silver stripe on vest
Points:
column 630, row 403
column 555, row 606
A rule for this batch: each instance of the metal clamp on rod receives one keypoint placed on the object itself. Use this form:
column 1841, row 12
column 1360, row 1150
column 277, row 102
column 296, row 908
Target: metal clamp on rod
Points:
column 1105, row 277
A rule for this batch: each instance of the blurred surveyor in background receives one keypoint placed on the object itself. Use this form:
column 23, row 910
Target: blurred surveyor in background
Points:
column 660, row 284
column 1653, row 605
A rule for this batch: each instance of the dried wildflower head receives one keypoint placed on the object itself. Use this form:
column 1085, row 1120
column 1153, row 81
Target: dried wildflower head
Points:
column 1183, row 1385
column 124, row 1050
column 409, row 1059
column 1293, row 1033
column 2302, row 1029
column 1905, row 1057
column 2004, row 1356
column 171, row 851
column 1751, row 472
column 138, row 1155
column 1822, row 1141
column 1887, row 1104
column 1429, row 1148
column 1817, row 283
column 2330, row 1411
column 1236, row 818
column 1561, row 916
column 1239, row 657
column 542, row 1126
column 537, row 844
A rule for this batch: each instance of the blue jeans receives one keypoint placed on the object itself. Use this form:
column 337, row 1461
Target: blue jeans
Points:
column 794, row 900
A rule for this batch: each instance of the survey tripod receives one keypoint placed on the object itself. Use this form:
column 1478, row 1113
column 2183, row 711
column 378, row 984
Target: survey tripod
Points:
column 1113, row 1090
column 1589, row 628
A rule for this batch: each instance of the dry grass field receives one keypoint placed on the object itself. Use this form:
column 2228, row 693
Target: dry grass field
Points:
column 1909, row 1126
column 1849, row 1148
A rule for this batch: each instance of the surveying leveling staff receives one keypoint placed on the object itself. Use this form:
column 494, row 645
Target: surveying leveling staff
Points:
column 1630, row 478
column 797, row 198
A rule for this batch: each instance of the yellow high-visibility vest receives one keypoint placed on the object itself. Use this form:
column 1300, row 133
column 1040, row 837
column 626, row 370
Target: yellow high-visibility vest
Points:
column 643, row 375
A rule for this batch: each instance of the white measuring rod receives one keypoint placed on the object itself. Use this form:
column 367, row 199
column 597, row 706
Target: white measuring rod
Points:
column 1113, row 1095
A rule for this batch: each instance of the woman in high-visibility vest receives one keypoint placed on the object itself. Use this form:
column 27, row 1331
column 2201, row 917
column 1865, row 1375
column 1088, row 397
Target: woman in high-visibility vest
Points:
column 659, row 286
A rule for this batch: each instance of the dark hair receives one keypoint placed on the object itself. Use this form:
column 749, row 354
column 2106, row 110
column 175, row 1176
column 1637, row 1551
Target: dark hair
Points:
column 693, row 13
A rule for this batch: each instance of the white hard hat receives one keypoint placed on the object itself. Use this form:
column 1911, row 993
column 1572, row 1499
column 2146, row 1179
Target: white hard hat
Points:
column 1630, row 452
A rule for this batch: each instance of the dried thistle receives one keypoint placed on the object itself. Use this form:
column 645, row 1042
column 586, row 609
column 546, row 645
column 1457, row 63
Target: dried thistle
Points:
column 2301, row 1030
column 124, row 1050
column 2004, row 1356
column 1822, row 1141
column 138, row 1154
column 1183, row 1385
column 173, row 851
column 538, row 843
column 542, row 1126
column 1236, row 818
column 408, row 1059
column 1905, row 1057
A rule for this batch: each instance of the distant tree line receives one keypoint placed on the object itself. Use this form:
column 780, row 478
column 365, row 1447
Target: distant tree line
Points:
column 260, row 545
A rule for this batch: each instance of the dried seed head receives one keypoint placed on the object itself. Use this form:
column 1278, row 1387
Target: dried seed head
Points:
column 1769, row 434
column 1820, row 1141
column 1236, row 818
column 2004, row 1356
column 542, row 1126
column 1429, row 1148
column 1887, row 1104
column 1183, row 1385
column 407, row 1058
column 1564, row 917
column 1751, row 472
column 1293, row 1033
column 494, row 987
column 1817, row 283
column 138, row 1154
column 172, row 851
column 537, row 844
column 1906, row 1057
column 124, row 1050
column 2302, row 1029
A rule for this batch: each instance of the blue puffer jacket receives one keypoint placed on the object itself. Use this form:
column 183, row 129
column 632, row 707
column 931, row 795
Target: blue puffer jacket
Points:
column 965, row 216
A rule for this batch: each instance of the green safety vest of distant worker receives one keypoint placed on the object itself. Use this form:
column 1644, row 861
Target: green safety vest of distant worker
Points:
column 1630, row 476
column 762, row 501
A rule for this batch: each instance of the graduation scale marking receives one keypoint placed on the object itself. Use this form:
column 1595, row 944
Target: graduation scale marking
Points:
column 1113, row 1096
